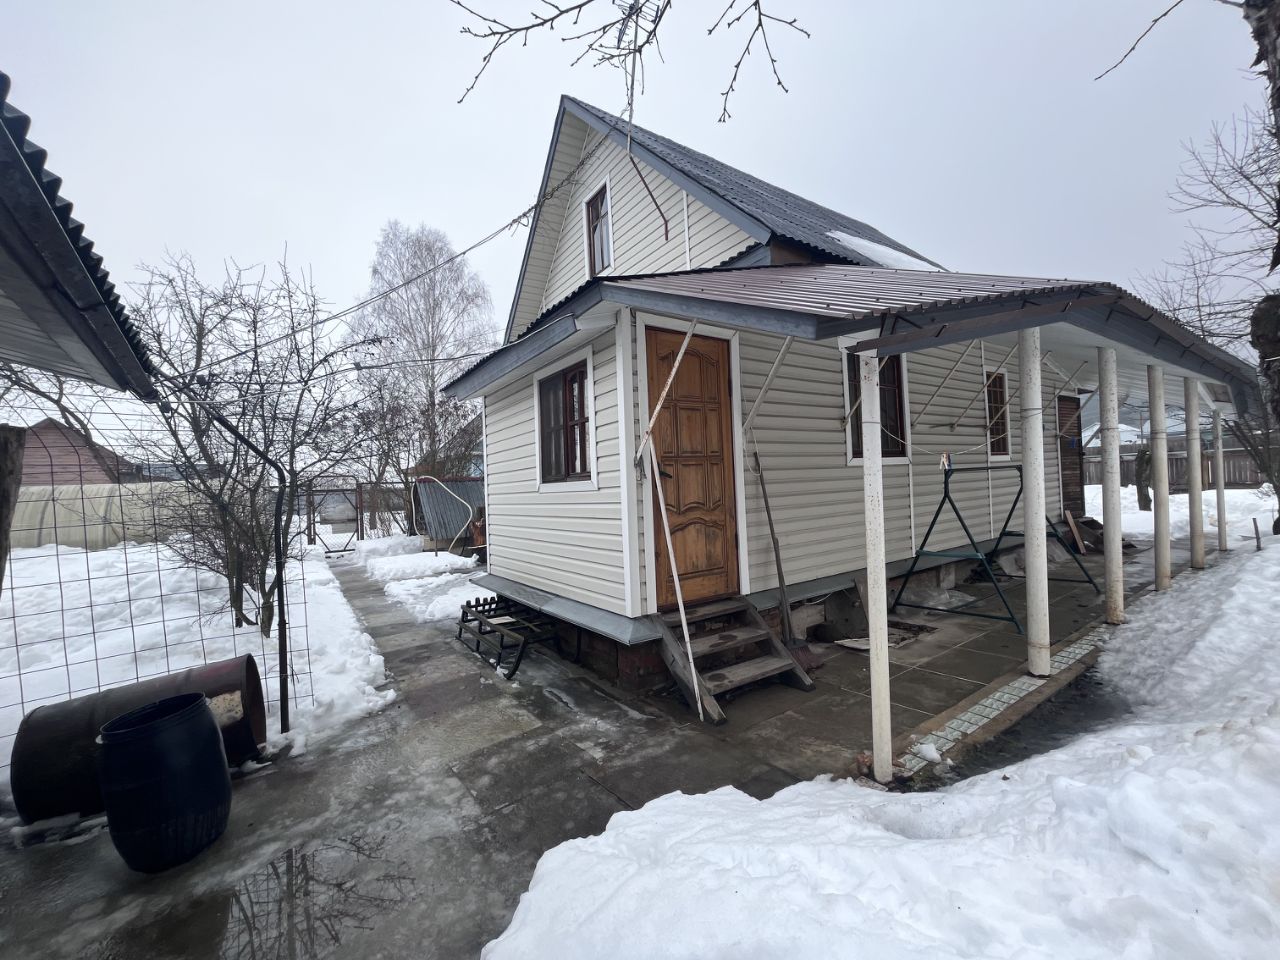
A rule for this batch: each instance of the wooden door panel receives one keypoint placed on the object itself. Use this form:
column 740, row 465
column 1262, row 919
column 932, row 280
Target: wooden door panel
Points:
column 693, row 438
column 1071, row 455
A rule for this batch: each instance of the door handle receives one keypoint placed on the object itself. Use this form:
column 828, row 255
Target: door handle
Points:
column 663, row 473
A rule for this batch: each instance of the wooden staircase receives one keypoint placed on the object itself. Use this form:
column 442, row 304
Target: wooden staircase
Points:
column 732, row 647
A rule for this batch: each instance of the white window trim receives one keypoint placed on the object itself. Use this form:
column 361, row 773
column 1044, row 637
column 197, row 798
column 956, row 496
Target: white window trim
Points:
column 845, row 344
column 986, row 415
column 586, row 236
column 552, row 369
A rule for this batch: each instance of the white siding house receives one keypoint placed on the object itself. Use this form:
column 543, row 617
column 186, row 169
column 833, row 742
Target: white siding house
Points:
column 760, row 273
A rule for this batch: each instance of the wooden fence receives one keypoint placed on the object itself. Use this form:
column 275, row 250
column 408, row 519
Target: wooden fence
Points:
column 1237, row 467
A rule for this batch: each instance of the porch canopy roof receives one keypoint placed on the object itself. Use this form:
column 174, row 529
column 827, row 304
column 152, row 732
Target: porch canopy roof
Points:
column 891, row 311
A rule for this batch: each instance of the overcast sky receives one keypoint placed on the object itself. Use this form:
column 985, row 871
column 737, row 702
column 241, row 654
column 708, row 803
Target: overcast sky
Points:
column 973, row 132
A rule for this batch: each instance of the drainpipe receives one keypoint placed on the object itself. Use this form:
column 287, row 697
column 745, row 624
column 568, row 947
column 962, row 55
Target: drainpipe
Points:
column 1160, row 476
column 1034, row 517
column 1112, row 525
column 876, row 600
column 1195, row 489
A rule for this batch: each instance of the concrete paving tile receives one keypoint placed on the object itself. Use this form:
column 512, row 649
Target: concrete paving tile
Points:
column 971, row 665
column 930, row 692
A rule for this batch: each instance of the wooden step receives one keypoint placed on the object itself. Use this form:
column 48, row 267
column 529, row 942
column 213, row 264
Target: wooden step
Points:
column 748, row 671
column 705, row 611
column 720, row 640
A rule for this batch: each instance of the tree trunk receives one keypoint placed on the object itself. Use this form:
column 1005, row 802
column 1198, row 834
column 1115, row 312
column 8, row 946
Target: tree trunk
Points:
column 1263, row 17
column 1142, row 478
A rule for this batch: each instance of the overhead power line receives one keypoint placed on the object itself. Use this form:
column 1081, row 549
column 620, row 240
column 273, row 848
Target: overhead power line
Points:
column 516, row 221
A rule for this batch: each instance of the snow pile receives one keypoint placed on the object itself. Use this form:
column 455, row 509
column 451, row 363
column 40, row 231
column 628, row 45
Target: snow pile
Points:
column 1155, row 837
column 413, row 566
column 75, row 621
column 345, row 664
column 881, row 254
column 393, row 546
column 1242, row 507
column 438, row 597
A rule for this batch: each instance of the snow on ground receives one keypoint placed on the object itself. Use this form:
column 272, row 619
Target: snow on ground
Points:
column 438, row 597
column 417, row 566
column 75, row 621
column 1242, row 507
column 433, row 586
column 1154, row 837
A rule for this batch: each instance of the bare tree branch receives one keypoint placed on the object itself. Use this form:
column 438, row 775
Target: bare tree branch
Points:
column 1141, row 37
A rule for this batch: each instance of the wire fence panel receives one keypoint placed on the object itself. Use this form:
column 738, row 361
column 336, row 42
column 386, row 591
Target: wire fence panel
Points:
column 117, row 570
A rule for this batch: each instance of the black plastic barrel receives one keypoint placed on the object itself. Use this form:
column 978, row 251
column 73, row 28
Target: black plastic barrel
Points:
column 164, row 779
column 54, row 768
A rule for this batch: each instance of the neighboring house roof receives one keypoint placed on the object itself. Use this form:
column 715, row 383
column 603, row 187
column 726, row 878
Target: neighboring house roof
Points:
column 445, row 507
column 59, row 310
column 55, row 453
column 909, row 309
column 757, row 207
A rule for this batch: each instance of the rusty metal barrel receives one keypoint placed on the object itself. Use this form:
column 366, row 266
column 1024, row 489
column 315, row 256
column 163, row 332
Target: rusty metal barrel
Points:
column 54, row 768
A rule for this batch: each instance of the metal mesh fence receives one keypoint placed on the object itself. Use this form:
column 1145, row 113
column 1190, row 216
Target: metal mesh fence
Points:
column 118, row 568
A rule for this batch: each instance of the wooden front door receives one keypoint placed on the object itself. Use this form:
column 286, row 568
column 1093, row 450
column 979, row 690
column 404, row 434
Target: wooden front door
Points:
column 1071, row 455
column 694, row 442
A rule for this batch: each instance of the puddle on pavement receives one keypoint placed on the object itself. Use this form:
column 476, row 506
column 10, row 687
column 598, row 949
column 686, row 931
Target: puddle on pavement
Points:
column 303, row 904
column 1085, row 705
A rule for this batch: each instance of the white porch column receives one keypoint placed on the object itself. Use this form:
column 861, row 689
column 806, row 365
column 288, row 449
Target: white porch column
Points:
column 1112, row 528
column 1220, row 481
column 1195, row 489
column 876, row 600
column 1035, row 535
column 1160, row 475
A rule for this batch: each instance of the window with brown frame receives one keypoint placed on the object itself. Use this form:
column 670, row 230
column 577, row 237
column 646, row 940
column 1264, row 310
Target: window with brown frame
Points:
column 893, row 427
column 997, row 415
column 563, row 425
column 599, row 241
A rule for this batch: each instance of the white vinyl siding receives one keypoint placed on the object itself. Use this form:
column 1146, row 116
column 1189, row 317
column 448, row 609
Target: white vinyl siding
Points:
column 639, row 245
column 568, row 542
column 816, row 494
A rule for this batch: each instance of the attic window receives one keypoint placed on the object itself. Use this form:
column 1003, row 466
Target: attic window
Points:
column 599, row 232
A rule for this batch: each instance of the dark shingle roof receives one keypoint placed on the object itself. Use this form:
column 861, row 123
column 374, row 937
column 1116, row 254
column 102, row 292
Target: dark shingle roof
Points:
column 784, row 213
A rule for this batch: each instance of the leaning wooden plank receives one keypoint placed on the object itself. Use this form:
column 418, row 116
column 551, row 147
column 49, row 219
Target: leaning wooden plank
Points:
column 1075, row 531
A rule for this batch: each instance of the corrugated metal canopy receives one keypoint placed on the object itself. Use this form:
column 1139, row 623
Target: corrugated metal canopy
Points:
column 839, row 291
column 59, row 310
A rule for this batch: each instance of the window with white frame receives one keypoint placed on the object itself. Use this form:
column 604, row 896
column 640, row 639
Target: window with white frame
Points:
column 564, row 425
column 599, row 232
column 893, row 406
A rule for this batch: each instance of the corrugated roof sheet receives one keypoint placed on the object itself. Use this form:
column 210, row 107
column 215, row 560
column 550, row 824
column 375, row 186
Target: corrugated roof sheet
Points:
column 17, row 124
column 439, row 513
column 842, row 291
column 785, row 213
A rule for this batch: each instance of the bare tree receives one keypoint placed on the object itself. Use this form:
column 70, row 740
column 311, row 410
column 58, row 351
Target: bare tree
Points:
column 619, row 33
column 435, row 320
column 248, row 365
column 1229, row 187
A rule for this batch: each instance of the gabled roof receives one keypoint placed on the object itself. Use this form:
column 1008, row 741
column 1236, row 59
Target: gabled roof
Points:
column 59, row 310
column 782, row 212
column 759, row 208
